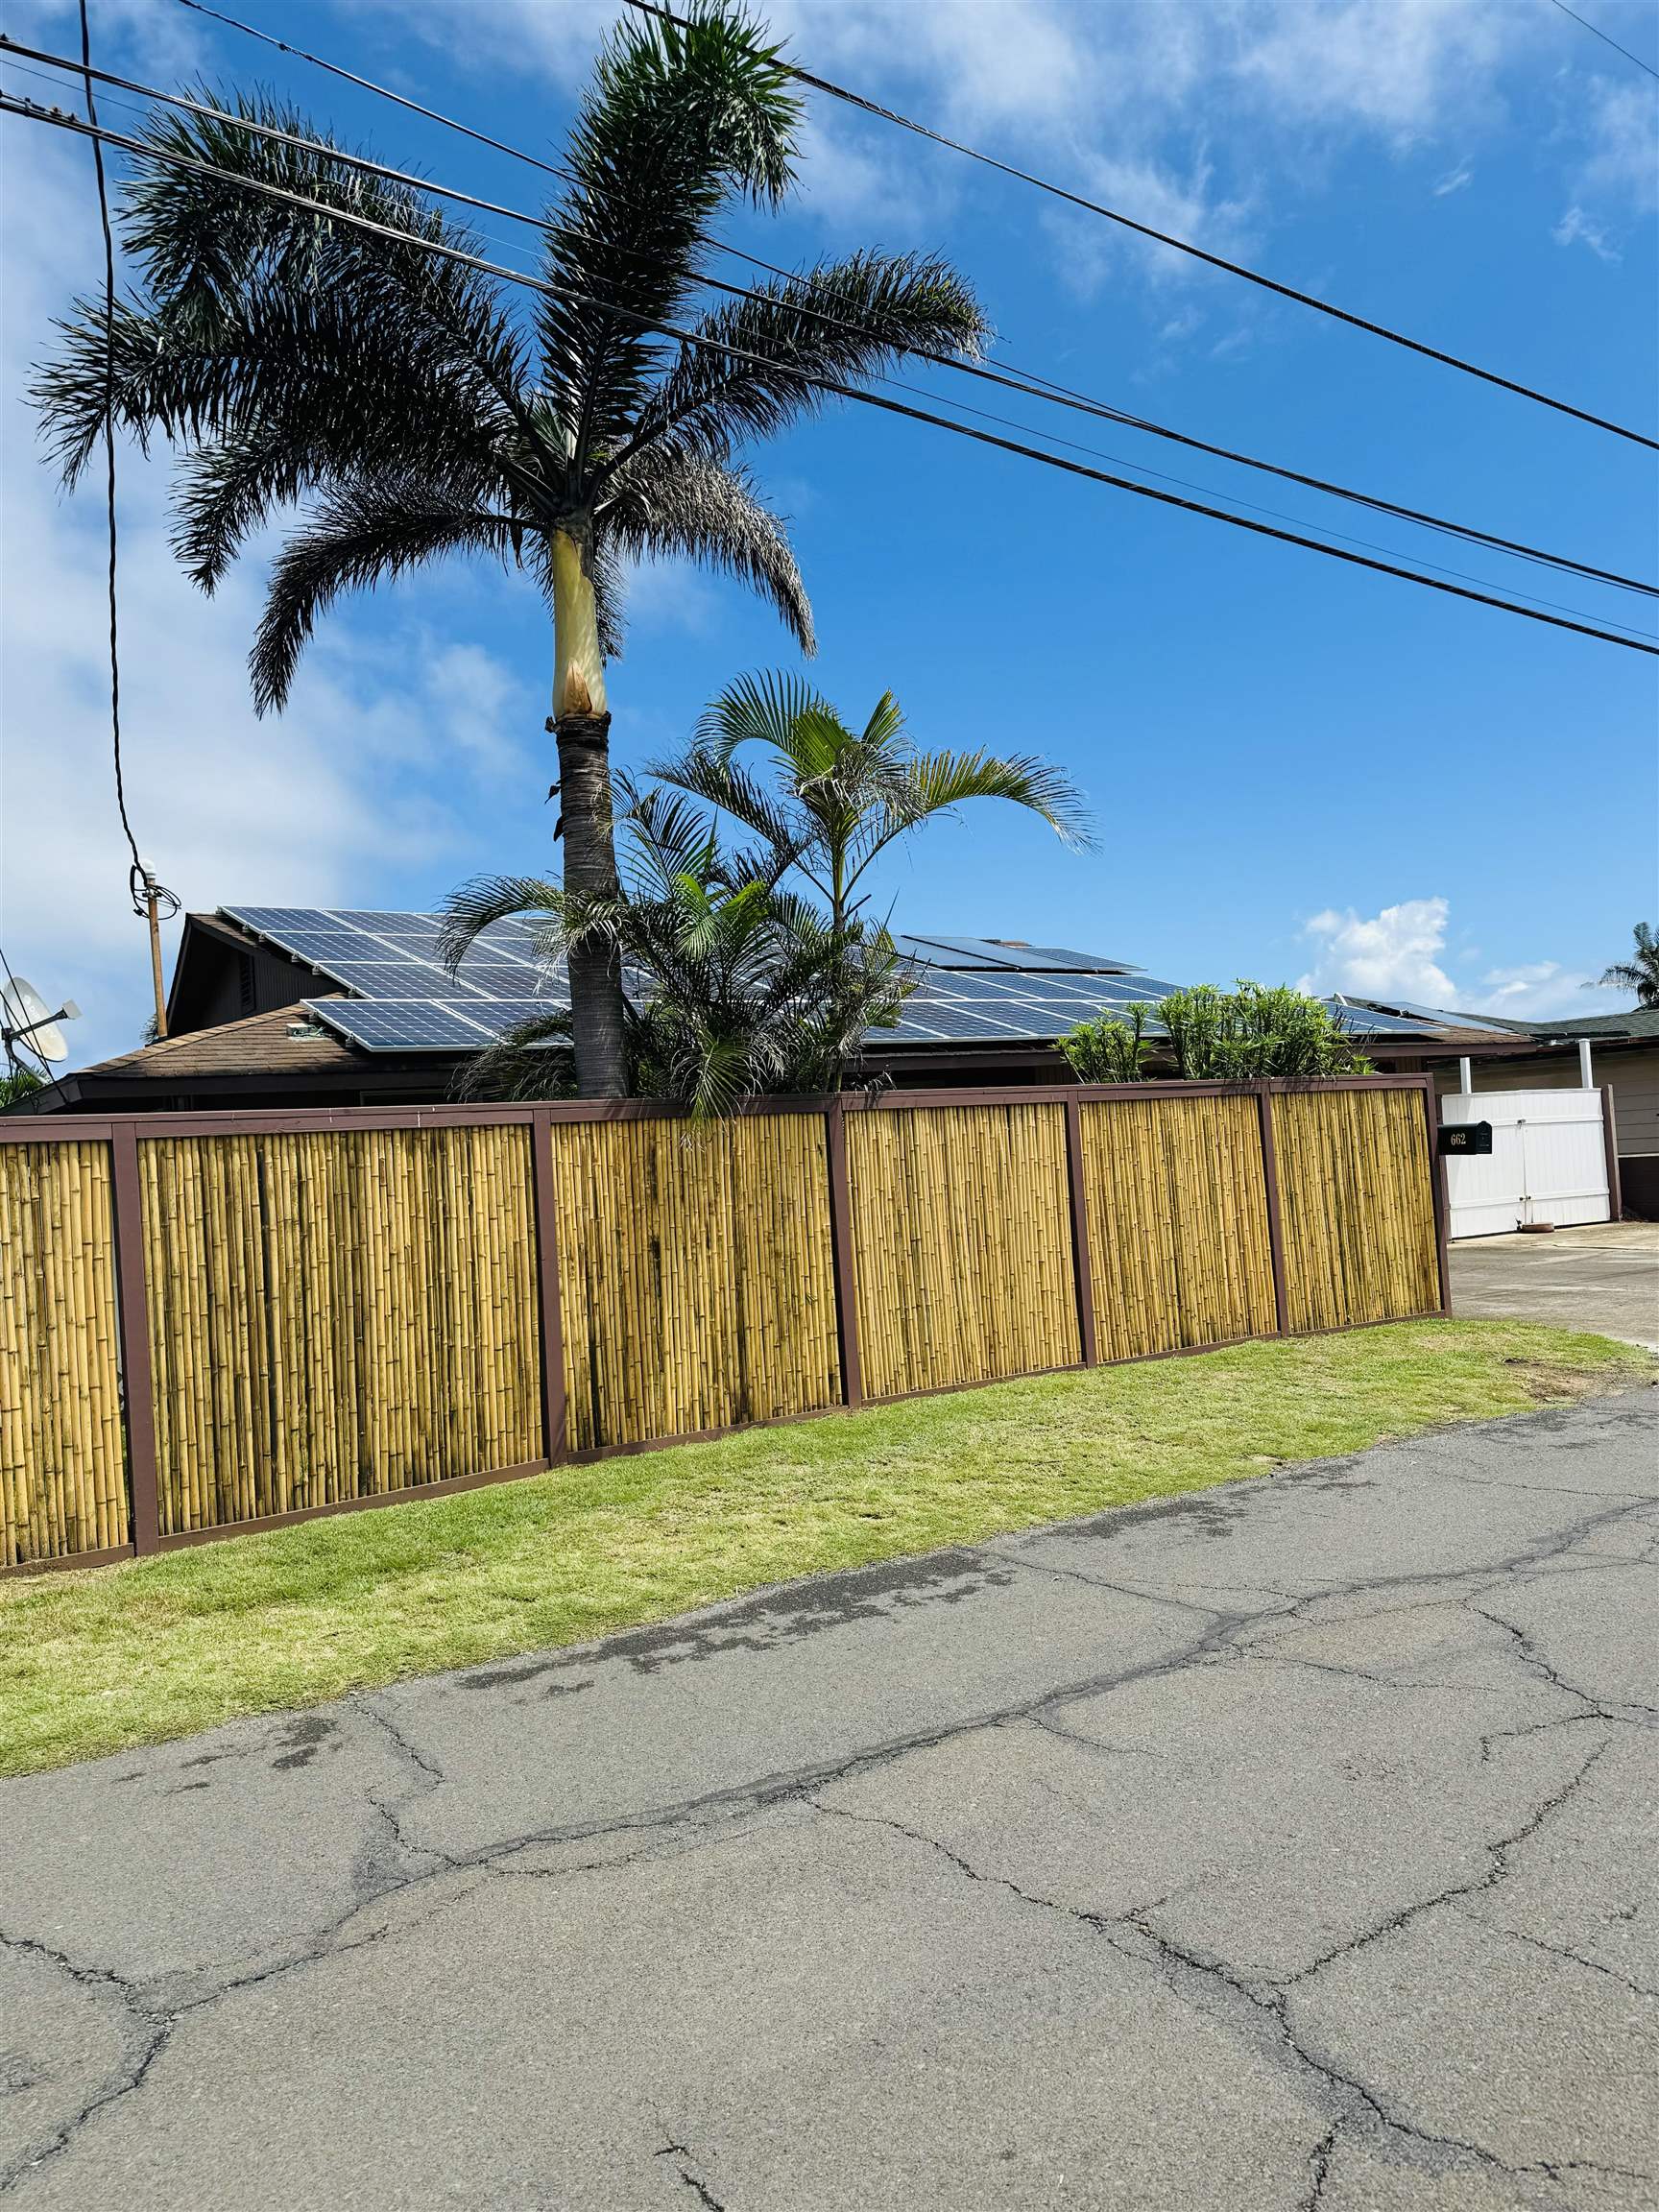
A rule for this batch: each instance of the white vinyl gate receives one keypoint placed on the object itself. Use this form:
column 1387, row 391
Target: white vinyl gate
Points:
column 1548, row 1162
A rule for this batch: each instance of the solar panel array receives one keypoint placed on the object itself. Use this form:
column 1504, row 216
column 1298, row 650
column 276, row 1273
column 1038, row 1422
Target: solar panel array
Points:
column 403, row 999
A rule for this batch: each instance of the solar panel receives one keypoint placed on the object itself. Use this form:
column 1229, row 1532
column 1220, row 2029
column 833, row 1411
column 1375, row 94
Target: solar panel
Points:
column 386, row 923
column 972, row 990
column 1360, row 1022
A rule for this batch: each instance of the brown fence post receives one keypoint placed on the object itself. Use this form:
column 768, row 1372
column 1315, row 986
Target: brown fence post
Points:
column 1610, row 1137
column 841, row 1256
column 1437, row 1185
column 554, row 1411
column 1082, row 1259
column 133, row 1333
column 1275, row 1225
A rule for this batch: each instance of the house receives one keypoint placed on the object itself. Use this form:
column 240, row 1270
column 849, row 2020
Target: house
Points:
column 1617, row 1051
column 305, row 1006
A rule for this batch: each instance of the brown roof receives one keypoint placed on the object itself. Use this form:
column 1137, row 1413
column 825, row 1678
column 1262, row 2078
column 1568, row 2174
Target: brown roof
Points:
column 257, row 1046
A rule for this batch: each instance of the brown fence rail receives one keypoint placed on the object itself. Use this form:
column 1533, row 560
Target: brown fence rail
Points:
column 217, row 1322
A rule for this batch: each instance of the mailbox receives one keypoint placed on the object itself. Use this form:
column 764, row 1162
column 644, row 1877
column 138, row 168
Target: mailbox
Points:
column 1459, row 1138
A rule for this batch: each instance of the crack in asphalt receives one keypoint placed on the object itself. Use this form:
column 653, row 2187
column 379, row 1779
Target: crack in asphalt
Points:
column 1498, row 1851
column 1270, row 2008
column 1560, row 1951
column 688, row 2173
column 150, row 2030
column 722, row 1812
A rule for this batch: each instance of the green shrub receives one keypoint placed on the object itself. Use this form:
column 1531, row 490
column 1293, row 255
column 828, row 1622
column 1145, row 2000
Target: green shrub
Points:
column 1217, row 1037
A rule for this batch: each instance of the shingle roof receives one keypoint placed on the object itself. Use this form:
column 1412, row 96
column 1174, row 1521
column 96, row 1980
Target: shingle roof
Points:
column 1639, row 1022
column 259, row 1045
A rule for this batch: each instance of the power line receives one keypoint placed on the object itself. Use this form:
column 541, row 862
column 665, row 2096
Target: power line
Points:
column 368, row 85
column 1180, row 245
column 1009, row 377
column 30, row 111
column 108, row 426
column 903, row 384
column 148, row 897
column 1595, row 30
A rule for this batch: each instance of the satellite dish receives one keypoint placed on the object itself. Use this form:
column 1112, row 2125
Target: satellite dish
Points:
column 29, row 1022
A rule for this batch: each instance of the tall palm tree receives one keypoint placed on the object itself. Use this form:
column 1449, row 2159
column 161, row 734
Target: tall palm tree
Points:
column 837, row 798
column 1639, row 973
column 413, row 413
column 735, row 986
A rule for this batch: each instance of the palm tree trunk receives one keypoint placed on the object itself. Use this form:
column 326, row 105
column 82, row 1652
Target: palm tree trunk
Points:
column 581, row 721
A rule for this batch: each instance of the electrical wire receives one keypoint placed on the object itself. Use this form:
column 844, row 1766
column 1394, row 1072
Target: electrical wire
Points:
column 30, row 111
column 138, row 875
column 1595, row 32
column 1009, row 377
column 1180, row 245
column 900, row 383
column 108, row 427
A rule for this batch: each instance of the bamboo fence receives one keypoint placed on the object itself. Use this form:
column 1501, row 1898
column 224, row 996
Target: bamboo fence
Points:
column 1356, row 1200
column 213, row 1322
column 695, row 1275
column 1178, row 1230
column 963, row 1241
column 62, row 1485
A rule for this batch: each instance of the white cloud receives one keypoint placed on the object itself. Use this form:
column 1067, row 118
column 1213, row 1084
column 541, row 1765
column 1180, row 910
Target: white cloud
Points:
column 1541, row 988
column 1623, row 161
column 1390, row 955
column 156, row 34
column 1455, row 181
column 1392, row 66
column 1400, row 954
column 1576, row 229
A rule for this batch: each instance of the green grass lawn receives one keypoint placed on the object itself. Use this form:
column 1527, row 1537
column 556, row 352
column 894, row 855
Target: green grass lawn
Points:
column 116, row 1656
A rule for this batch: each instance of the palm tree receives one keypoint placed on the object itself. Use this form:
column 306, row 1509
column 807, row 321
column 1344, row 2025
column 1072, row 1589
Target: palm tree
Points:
column 733, row 986
column 839, row 797
column 1638, row 973
column 413, row 414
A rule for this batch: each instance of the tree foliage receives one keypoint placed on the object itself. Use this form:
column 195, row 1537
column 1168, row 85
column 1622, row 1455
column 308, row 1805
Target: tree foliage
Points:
column 831, row 799
column 1639, row 973
column 1217, row 1036
column 735, row 987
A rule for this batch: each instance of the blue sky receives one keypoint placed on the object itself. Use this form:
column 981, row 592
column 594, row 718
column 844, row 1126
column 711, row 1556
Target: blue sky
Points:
column 1297, row 769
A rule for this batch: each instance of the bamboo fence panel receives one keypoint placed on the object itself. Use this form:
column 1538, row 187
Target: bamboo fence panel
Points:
column 1178, row 1238
column 338, row 1314
column 696, row 1275
column 1357, row 1205
column 62, row 1459
column 962, row 1245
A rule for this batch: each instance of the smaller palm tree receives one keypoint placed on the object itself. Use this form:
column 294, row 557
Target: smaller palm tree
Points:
column 1638, row 973
column 839, row 797
column 734, row 987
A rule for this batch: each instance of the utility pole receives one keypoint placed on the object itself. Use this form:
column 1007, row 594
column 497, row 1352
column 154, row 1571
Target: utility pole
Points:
column 152, row 896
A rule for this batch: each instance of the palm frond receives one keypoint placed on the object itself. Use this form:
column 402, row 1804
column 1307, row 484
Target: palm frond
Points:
column 702, row 775
column 676, row 119
column 936, row 782
column 763, row 709
column 533, row 1059
column 845, row 319
column 688, row 505
column 362, row 532
column 468, row 911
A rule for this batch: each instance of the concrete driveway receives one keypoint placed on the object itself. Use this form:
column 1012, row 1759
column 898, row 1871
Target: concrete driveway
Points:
column 1289, row 1846
column 1605, row 1277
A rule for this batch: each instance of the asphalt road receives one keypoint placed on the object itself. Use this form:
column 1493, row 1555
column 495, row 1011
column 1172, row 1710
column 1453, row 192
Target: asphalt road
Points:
column 1291, row 1845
